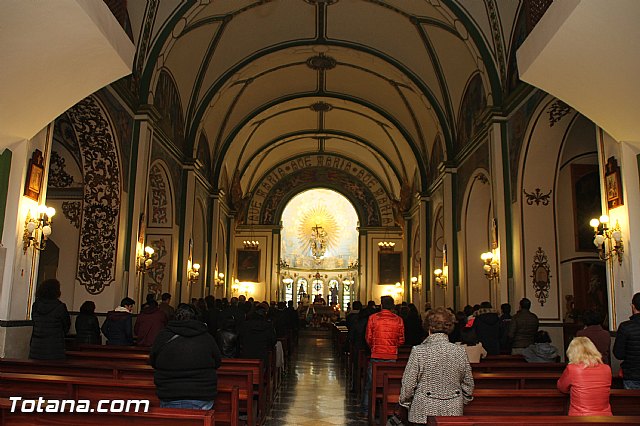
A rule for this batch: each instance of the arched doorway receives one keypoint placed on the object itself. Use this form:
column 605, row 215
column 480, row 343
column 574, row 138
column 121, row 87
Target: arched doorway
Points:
column 319, row 246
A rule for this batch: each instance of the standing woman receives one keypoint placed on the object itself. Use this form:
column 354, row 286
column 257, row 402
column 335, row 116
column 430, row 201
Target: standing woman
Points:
column 87, row 325
column 51, row 322
column 437, row 380
column 586, row 379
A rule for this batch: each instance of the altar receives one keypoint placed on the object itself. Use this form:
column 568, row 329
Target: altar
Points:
column 319, row 316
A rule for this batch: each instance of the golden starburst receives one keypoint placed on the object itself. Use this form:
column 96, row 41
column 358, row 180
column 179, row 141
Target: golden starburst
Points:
column 317, row 216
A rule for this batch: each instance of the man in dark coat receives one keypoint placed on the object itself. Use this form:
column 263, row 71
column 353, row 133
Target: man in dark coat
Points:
column 523, row 328
column 149, row 323
column 257, row 336
column 117, row 328
column 627, row 346
column 51, row 322
column 487, row 328
column 185, row 358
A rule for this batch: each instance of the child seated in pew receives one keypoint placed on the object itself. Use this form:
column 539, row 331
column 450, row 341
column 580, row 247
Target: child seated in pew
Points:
column 541, row 350
column 472, row 346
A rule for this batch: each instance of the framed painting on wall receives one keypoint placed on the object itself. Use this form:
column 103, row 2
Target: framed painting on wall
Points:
column 389, row 268
column 613, row 184
column 35, row 172
column 248, row 265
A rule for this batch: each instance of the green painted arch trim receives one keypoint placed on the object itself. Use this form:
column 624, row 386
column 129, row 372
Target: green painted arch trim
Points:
column 213, row 89
column 485, row 52
column 218, row 163
column 345, row 135
column 158, row 44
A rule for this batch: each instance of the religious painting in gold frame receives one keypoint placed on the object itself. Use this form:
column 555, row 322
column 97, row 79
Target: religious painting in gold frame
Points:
column 248, row 265
column 35, row 173
column 389, row 268
column 613, row 184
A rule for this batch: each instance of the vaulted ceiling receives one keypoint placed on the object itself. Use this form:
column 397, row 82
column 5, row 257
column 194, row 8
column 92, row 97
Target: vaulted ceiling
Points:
column 376, row 81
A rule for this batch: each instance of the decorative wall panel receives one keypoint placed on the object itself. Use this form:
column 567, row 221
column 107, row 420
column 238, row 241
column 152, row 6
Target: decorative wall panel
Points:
column 157, row 278
column 101, row 196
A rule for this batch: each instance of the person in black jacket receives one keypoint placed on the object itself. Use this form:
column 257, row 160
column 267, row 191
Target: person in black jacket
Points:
column 51, row 322
column 227, row 338
column 185, row 358
column 257, row 336
column 117, row 328
column 627, row 346
column 487, row 328
column 87, row 326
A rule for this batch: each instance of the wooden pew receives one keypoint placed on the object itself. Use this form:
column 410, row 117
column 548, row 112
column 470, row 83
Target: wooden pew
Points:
column 242, row 379
column 33, row 386
column 503, row 366
column 522, row 398
column 154, row 417
column 110, row 348
column 113, row 356
column 532, row 420
column 262, row 377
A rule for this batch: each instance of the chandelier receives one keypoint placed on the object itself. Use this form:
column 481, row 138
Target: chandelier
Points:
column 318, row 242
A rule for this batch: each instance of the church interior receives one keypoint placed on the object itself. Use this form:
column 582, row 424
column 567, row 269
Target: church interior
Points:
column 443, row 152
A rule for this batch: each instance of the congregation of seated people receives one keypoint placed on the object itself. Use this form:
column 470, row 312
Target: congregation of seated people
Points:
column 440, row 352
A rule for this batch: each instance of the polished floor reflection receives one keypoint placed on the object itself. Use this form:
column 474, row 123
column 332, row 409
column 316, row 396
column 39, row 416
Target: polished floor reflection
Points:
column 314, row 390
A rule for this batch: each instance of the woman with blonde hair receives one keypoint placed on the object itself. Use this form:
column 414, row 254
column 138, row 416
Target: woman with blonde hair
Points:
column 437, row 380
column 586, row 379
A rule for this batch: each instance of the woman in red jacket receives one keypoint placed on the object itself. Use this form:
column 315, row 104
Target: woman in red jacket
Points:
column 587, row 380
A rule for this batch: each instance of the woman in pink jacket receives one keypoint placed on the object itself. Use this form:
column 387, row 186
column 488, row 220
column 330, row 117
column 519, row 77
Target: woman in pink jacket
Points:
column 586, row 379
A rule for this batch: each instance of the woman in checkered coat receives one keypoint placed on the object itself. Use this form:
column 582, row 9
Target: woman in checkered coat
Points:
column 437, row 380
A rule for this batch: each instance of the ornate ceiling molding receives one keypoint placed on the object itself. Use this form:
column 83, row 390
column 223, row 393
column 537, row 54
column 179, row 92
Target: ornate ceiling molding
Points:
column 269, row 197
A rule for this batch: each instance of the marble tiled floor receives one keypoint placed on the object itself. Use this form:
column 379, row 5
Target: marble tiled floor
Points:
column 314, row 390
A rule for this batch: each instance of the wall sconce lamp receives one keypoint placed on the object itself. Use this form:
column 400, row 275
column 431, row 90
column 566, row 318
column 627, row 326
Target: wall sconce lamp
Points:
column 416, row 283
column 37, row 228
column 193, row 272
column 219, row 279
column 491, row 265
column 611, row 236
column 442, row 277
column 143, row 260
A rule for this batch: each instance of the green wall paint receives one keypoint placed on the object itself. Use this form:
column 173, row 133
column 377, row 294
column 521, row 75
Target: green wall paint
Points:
column 5, row 169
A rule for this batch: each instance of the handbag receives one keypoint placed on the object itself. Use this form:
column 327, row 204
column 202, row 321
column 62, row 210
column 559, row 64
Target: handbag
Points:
column 399, row 417
column 394, row 420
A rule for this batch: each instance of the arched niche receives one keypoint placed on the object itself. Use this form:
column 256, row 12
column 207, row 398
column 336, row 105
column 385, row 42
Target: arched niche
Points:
column 166, row 99
column 199, row 253
column 540, row 162
column 477, row 218
column 437, row 257
column 159, row 229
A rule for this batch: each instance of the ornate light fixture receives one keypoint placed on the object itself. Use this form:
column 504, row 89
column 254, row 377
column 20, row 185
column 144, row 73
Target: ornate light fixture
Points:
column 37, row 228
column 386, row 245
column 442, row 275
column 251, row 244
column 416, row 283
column 193, row 272
column 143, row 260
column 611, row 236
column 218, row 279
column 491, row 265
column 441, row 278
column 318, row 242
